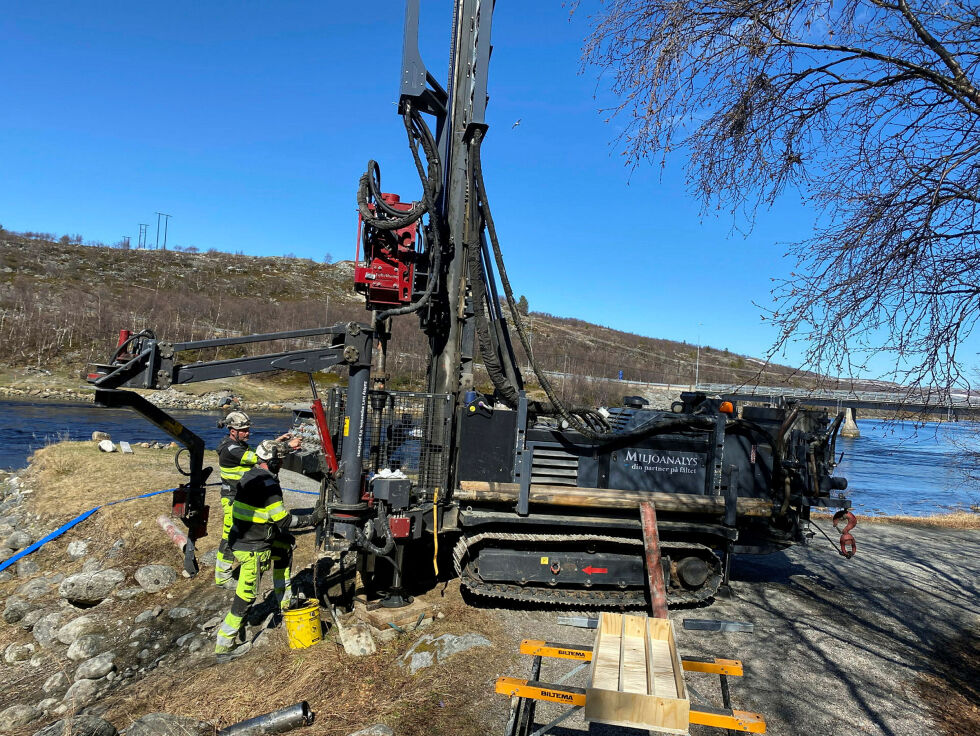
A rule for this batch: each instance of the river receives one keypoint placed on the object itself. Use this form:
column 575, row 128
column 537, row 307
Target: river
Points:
column 893, row 468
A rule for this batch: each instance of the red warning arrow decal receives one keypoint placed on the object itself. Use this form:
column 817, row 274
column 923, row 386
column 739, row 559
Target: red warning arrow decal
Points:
column 595, row 570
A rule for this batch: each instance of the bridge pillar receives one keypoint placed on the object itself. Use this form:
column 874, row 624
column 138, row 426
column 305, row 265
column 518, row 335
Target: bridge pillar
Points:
column 850, row 428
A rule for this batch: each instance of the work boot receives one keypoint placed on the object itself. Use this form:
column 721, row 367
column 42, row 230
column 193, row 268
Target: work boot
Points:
column 224, row 654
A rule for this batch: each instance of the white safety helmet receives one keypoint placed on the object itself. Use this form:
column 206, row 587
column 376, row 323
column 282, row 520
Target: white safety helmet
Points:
column 238, row 420
column 267, row 450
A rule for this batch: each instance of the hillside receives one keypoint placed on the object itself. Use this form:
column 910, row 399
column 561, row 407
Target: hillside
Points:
column 62, row 304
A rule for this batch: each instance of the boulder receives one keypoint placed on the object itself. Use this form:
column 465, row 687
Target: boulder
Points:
column 165, row 724
column 96, row 667
column 148, row 614
column 80, row 626
column 27, row 567
column 357, row 640
column 34, row 589
column 430, row 650
column 126, row 594
column 77, row 549
column 15, row 653
column 378, row 729
column 89, row 588
column 98, row 436
column 86, row 647
column 46, row 629
column 18, row 540
column 85, row 692
column 31, row 618
column 79, row 726
column 107, row 446
column 56, row 684
column 154, row 578
column 179, row 613
column 16, row 608
column 16, row 716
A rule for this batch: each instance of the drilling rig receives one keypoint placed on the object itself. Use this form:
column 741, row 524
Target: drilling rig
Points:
column 537, row 500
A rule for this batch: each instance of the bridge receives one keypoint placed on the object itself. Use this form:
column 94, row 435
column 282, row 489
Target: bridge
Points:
column 959, row 405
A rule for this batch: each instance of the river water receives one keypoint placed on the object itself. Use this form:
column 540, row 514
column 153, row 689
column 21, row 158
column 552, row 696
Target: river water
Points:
column 893, row 468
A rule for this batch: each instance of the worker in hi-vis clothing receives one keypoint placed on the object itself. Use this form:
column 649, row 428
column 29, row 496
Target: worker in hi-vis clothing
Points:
column 234, row 460
column 259, row 539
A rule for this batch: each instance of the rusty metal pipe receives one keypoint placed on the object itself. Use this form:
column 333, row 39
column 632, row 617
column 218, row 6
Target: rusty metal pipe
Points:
column 278, row 721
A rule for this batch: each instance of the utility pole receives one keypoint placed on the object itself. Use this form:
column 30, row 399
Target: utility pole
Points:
column 125, row 242
column 165, row 223
column 141, row 244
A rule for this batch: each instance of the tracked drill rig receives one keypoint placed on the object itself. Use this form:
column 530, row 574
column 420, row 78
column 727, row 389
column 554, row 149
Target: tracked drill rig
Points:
column 537, row 500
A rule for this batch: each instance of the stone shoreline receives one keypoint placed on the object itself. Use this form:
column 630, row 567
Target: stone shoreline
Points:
column 167, row 399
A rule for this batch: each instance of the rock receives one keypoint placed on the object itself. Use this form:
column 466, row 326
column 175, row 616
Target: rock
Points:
column 18, row 540
column 179, row 613
column 385, row 635
column 86, row 647
column 46, row 629
column 91, row 566
column 47, row 704
column 77, row 549
column 165, row 724
column 31, row 618
column 18, row 653
column 80, row 626
column 357, row 640
column 185, row 639
column 16, row 608
column 148, row 614
column 79, row 726
column 34, row 589
column 85, row 692
column 89, row 588
column 107, row 446
column 96, row 667
column 378, row 729
column 98, row 436
column 116, row 549
column 125, row 448
column 37, row 660
column 126, row 594
column 16, row 716
column 154, row 578
column 209, row 558
column 143, row 655
column 27, row 567
column 140, row 633
column 56, row 684
column 429, row 650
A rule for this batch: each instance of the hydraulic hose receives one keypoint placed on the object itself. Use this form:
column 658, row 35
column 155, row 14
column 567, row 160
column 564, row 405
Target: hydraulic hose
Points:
column 655, row 426
column 364, row 540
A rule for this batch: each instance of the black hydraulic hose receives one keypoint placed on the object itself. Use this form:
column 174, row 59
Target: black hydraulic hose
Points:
column 369, row 546
column 413, row 123
column 278, row 721
column 507, row 392
column 655, row 426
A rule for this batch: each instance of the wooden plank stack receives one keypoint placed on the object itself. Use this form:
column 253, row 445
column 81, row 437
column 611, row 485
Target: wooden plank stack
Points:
column 637, row 680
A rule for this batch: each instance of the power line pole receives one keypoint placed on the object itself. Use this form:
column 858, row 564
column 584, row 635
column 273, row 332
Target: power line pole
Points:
column 125, row 242
column 167, row 221
column 141, row 244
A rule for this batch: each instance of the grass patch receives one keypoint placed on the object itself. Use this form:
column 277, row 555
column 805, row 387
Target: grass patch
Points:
column 952, row 520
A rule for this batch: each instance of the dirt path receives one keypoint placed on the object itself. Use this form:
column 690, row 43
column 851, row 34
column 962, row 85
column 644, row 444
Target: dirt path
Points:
column 840, row 647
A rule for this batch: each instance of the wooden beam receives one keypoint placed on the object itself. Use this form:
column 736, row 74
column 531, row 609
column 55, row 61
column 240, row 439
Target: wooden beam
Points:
column 655, row 570
column 606, row 498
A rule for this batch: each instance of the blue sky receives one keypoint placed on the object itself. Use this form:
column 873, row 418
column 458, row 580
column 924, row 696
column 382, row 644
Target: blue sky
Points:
column 251, row 122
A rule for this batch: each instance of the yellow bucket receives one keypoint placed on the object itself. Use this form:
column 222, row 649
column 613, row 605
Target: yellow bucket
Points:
column 303, row 626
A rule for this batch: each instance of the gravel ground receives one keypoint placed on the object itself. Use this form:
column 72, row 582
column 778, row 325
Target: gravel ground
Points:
column 839, row 645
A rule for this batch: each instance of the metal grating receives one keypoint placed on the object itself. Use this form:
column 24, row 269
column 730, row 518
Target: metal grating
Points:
column 553, row 466
column 404, row 431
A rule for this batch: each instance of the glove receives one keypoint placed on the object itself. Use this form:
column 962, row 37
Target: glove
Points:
column 319, row 514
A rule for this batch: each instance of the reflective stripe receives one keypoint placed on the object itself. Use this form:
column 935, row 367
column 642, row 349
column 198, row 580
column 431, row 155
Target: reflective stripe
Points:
column 244, row 512
column 235, row 472
column 276, row 511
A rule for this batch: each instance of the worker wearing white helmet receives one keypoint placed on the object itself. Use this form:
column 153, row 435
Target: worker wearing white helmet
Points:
column 235, row 458
column 260, row 538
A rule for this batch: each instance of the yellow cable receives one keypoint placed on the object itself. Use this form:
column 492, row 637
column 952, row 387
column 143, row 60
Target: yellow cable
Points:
column 435, row 532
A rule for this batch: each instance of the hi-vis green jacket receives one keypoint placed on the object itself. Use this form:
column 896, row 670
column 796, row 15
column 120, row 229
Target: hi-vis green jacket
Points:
column 259, row 513
column 234, row 460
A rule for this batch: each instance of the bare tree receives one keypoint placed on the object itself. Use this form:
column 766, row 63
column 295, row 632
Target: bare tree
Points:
column 869, row 110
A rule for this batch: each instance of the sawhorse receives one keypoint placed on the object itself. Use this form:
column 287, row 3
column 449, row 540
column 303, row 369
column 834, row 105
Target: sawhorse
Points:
column 527, row 692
